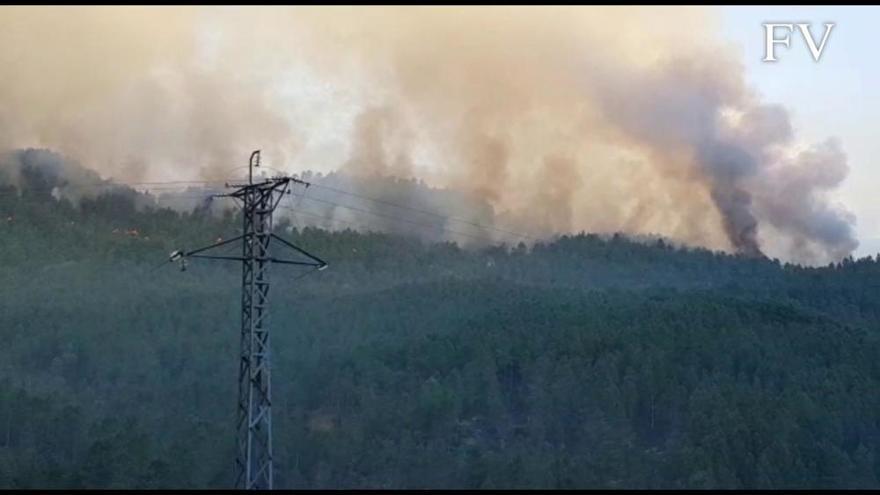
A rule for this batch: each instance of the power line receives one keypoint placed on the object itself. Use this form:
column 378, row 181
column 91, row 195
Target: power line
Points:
column 353, row 208
column 426, row 212
column 364, row 225
column 181, row 184
column 397, row 219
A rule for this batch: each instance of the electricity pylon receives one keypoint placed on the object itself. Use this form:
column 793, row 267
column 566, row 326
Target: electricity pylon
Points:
column 253, row 463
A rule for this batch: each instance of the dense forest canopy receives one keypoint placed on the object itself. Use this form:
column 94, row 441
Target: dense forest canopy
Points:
column 583, row 362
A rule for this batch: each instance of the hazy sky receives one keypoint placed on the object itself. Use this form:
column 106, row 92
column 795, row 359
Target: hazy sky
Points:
column 838, row 96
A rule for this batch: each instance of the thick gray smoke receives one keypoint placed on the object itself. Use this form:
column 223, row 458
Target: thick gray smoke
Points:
column 563, row 119
column 740, row 149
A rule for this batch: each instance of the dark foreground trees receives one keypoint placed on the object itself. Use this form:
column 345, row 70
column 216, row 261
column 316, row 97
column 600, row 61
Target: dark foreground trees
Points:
column 581, row 363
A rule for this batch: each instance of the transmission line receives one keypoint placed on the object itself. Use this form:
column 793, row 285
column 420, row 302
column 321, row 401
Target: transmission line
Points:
column 178, row 184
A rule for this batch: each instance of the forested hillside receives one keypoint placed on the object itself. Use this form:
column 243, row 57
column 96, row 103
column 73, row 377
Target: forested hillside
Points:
column 578, row 363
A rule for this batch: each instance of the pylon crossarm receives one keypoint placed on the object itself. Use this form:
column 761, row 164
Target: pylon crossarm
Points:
column 284, row 187
column 214, row 257
column 319, row 261
column 300, row 263
column 215, row 245
column 242, row 190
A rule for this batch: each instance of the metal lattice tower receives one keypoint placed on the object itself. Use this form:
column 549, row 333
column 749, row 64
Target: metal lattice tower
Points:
column 253, row 463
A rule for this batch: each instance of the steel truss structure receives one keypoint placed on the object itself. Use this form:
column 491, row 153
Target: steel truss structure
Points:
column 253, row 463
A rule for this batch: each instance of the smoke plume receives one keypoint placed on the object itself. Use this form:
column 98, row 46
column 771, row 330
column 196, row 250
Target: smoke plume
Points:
column 562, row 118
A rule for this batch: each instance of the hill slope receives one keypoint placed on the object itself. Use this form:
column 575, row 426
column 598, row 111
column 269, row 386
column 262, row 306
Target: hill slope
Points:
column 579, row 363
